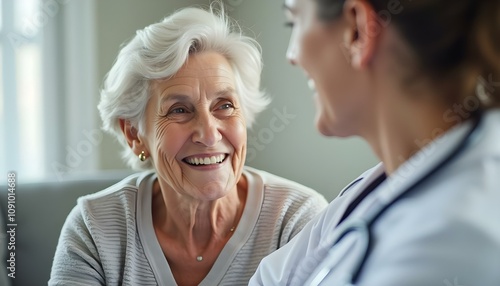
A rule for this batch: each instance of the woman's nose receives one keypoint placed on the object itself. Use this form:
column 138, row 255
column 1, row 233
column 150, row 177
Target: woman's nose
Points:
column 206, row 130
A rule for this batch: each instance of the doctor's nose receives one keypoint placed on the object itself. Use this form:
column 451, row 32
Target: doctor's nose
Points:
column 291, row 54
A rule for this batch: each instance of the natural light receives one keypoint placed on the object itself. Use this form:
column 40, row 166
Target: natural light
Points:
column 21, row 93
column 29, row 87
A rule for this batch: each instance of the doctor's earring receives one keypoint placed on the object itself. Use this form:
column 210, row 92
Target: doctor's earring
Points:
column 142, row 156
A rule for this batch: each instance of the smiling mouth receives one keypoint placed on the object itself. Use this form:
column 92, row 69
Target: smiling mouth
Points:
column 205, row 161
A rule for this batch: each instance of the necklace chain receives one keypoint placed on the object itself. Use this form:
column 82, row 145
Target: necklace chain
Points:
column 199, row 258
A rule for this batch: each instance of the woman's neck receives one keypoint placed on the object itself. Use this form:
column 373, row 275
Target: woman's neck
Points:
column 197, row 223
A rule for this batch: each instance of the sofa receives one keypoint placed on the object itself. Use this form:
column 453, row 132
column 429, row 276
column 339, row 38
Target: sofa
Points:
column 41, row 209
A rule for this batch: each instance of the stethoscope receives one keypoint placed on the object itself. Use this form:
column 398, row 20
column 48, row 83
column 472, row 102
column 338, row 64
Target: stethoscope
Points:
column 362, row 227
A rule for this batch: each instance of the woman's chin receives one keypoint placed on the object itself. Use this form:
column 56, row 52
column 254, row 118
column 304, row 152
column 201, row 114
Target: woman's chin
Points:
column 211, row 191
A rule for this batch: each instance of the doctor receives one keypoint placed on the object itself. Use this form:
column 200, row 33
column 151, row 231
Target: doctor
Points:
column 420, row 82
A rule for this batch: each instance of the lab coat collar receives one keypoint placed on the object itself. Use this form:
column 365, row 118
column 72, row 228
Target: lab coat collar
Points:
column 410, row 172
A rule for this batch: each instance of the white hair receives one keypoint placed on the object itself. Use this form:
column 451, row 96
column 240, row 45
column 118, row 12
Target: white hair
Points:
column 159, row 51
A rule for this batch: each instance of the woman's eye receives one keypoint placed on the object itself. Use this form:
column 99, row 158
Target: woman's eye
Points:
column 225, row 109
column 226, row 106
column 177, row 110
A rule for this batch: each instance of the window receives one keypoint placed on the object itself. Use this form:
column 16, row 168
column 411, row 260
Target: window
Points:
column 20, row 94
column 48, row 92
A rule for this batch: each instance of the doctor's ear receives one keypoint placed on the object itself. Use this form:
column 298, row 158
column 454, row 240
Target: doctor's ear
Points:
column 132, row 136
column 363, row 32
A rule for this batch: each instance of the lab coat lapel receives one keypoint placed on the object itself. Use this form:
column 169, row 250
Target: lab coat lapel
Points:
column 353, row 190
column 411, row 172
column 336, row 250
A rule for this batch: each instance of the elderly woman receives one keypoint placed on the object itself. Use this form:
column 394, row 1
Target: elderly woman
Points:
column 180, row 98
column 419, row 81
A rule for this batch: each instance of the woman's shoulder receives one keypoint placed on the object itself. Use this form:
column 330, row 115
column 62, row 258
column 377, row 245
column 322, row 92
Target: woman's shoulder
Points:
column 279, row 191
column 120, row 195
column 112, row 210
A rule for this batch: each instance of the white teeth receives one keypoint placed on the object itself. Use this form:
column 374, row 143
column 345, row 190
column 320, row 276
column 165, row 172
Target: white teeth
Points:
column 206, row 160
column 311, row 84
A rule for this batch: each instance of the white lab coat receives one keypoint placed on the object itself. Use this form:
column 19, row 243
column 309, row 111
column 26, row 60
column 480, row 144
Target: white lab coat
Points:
column 446, row 232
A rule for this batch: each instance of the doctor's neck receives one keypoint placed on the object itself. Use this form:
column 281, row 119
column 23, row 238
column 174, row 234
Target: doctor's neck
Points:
column 407, row 128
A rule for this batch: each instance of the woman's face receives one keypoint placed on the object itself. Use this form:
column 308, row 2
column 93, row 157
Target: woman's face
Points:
column 319, row 49
column 195, row 130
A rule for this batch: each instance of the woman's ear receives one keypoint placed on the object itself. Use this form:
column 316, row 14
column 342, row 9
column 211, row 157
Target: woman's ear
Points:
column 132, row 136
column 363, row 33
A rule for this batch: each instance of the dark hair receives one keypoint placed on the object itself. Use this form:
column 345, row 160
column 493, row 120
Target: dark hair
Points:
column 458, row 40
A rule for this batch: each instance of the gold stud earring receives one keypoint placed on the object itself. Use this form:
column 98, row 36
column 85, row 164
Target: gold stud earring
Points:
column 142, row 156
